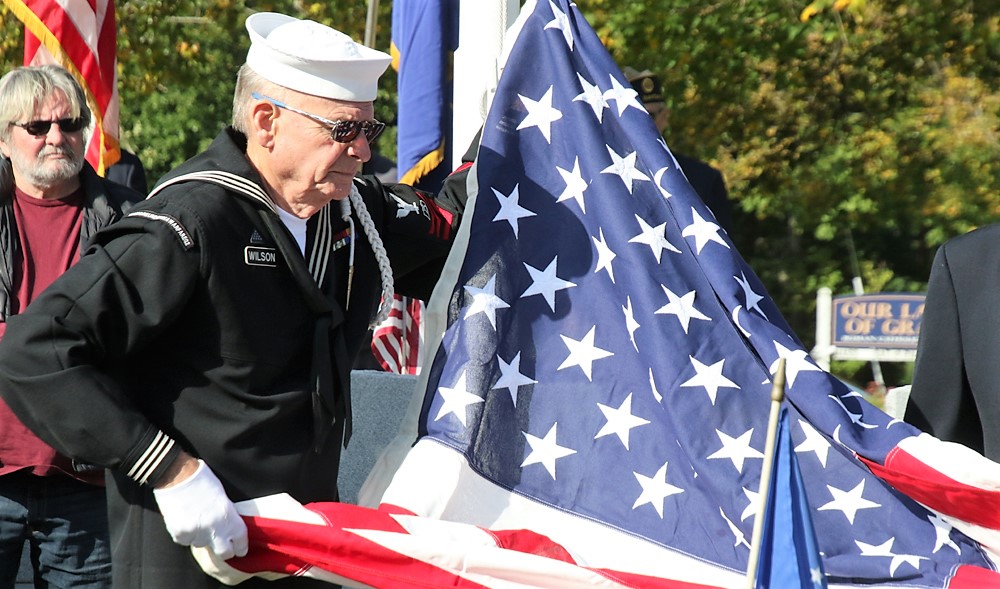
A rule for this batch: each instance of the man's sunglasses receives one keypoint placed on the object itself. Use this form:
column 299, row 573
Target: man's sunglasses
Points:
column 41, row 128
column 340, row 131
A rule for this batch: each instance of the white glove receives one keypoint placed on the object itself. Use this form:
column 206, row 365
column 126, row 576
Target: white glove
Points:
column 198, row 513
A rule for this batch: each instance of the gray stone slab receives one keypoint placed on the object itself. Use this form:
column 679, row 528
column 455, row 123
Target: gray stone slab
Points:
column 379, row 401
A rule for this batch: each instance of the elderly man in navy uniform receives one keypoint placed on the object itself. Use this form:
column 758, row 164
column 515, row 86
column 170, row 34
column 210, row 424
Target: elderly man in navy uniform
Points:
column 201, row 349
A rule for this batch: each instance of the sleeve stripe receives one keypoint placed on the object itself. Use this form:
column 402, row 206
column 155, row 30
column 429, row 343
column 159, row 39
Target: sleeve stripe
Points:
column 151, row 458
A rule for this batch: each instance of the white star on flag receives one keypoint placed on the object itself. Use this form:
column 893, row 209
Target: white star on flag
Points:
column 624, row 168
column 735, row 314
column 849, row 502
column 546, row 283
column 561, row 22
column 703, row 232
column 739, row 538
column 485, row 301
column 540, row 114
column 753, row 299
column 456, row 400
column 575, row 185
column 796, row 361
column 655, row 489
column 654, row 237
column 942, row 534
column 736, row 449
column 511, row 377
column 751, row 510
column 652, row 387
column 604, row 256
column 545, row 451
column 709, row 377
column 658, row 181
column 593, row 96
column 814, row 442
column 583, row 352
column 624, row 96
column 885, row 549
column 855, row 417
column 620, row 421
column 681, row 307
column 510, row 208
column 630, row 323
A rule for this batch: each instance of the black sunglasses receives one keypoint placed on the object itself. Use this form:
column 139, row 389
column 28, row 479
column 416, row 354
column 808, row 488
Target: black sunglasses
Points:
column 346, row 131
column 340, row 131
column 41, row 128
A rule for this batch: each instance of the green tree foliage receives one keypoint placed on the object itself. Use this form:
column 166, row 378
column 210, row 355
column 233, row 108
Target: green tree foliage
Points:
column 178, row 61
column 875, row 122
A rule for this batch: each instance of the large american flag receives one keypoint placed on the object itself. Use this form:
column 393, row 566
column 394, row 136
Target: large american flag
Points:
column 81, row 36
column 602, row 386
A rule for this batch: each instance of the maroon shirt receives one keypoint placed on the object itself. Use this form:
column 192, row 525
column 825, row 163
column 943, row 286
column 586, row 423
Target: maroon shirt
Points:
column 49, row 234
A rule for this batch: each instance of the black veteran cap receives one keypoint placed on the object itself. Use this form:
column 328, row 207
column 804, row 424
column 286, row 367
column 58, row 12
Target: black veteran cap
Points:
column 646, row 83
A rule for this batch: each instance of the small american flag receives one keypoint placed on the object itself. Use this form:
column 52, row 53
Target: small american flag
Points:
column 396, row 342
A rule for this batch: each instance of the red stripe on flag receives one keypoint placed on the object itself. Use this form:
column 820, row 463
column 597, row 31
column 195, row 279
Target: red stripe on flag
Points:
column 970, row 577
column 647, row 582
column 74, row 45
column 292, row 548
column 930, row 487
column 372, row 547
column 107, row 45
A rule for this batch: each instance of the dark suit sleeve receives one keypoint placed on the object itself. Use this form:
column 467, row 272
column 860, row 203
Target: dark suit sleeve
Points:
column 710, row 186
column 128, row 171
column 941, row 401
column 717, row 200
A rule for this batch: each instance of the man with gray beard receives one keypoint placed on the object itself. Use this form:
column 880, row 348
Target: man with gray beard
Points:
column 51, row 203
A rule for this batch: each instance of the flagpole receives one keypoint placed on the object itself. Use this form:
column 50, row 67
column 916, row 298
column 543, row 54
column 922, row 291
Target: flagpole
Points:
column 405, row 363
column 777, row 395
column 370, row 23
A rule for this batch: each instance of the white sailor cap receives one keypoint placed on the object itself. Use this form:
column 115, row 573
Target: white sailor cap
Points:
column 308, row 57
